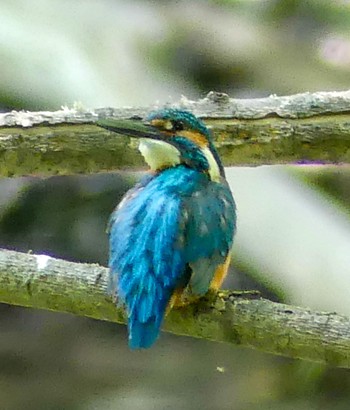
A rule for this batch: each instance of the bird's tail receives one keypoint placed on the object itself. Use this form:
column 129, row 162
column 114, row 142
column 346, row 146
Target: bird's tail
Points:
column 143, row 335
column 144, row 322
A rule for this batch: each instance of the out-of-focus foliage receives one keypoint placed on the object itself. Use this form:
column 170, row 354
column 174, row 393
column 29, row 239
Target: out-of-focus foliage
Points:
column 293, row 237
column 333, row 182
column 135, row 52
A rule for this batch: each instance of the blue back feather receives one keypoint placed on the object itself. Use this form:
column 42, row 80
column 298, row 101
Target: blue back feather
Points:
column 147, row 259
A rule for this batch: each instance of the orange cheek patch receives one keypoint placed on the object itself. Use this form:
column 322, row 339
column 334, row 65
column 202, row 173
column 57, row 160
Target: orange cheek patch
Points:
column 194, row 136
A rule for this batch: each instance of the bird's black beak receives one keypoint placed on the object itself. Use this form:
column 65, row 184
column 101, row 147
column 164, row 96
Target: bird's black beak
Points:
column 131, row 127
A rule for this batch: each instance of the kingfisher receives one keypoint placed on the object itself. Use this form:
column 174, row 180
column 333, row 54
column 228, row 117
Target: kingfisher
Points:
column 171, row 235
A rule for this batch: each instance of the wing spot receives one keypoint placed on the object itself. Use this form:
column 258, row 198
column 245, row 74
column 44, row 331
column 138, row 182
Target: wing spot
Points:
column 203, row 229
column 181, row 240
column 185, row 214
column 223, row 222
column 225, row 202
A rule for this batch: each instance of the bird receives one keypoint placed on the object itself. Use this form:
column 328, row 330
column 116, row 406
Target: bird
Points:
column 172, row 233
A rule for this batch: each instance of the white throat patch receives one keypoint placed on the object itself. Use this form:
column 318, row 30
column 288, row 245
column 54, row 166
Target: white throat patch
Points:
column 159, row 154
column 214, row 170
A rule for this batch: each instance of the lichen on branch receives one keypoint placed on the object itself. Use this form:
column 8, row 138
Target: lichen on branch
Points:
column 272, row 130
column 43, row 282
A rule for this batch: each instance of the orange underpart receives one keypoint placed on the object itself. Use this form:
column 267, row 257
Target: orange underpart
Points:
column 175, row 300
column 179, row 300
column 220, row 274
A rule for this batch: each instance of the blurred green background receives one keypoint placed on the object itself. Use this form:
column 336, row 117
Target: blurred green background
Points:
column 293, row 240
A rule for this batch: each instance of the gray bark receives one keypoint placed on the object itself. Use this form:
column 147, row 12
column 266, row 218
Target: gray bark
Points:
column 302, row 127
column 43, row 282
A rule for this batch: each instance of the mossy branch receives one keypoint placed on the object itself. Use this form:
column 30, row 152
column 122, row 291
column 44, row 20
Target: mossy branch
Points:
column 39, row 281
column 302, row 127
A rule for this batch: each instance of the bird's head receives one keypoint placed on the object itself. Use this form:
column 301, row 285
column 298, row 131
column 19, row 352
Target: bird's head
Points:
column 170, row 137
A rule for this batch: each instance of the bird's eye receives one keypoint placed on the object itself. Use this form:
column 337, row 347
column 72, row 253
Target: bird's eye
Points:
column 178, row 126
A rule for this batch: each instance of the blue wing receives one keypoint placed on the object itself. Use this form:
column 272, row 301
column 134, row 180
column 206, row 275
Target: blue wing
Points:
column 146, row 264
column 210, row 227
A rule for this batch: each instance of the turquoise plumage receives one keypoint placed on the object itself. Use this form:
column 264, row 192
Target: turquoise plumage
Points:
column 174, row 230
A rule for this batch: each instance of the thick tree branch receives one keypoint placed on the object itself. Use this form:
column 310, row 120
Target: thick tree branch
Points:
column 42, row 282
column 302, row 127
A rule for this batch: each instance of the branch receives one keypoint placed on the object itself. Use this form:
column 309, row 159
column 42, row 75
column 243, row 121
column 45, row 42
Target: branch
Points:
column 43, row 282
column 302, row 127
